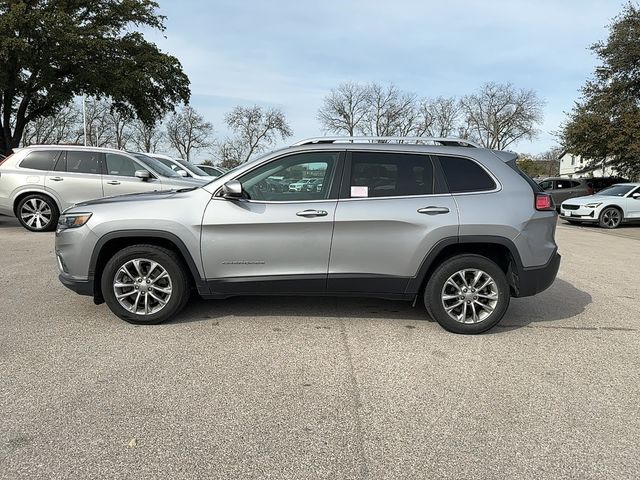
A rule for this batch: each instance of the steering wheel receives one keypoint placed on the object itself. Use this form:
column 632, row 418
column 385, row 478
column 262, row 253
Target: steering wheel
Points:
column 255, row 194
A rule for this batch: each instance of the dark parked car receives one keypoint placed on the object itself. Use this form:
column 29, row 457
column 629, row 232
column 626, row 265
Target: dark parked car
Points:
column 562, row 189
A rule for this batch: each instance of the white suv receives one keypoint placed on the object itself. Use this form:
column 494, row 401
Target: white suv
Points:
column 39, row 182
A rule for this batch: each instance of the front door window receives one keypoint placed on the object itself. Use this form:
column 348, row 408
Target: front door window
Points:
column 299, row 177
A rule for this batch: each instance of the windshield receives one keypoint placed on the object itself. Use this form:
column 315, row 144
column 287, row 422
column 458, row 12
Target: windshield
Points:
column 192, row 168
column 156, row 165
column 616, row 191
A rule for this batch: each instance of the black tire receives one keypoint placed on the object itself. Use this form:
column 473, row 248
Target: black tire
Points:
column 40, row 205
column 610, row 217
column 167, row 259
column 436, row 284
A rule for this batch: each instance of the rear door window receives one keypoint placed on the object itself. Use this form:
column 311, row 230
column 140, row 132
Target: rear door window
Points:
column 563, row 184
column 464, row 175
column 375, row 174
column 83, row 162
column 40, row 160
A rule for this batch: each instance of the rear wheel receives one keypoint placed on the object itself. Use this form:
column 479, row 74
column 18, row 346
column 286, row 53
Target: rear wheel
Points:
column 610, row 217
column 38, row 213
column 145, row 284
column 467, row 294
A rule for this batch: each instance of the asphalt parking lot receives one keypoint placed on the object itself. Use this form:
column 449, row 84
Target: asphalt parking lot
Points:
column 310, row 388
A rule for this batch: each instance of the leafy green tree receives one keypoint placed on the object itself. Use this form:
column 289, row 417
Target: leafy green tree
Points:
column 532, row 167
column 604, row 124
column 54, row 50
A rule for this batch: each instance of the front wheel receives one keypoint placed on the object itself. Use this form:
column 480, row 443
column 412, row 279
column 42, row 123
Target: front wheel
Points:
column 467, row 294
column 145, row 284
column 610, row 217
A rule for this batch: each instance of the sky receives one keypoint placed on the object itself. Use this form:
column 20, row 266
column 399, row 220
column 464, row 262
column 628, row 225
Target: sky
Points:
column 290, row 54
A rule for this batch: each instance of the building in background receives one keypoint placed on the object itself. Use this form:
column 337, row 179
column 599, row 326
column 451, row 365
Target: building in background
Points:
column 573, row 166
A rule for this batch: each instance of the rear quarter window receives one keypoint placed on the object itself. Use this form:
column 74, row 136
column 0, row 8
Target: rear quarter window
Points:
column 464, row 175
column 40, row 160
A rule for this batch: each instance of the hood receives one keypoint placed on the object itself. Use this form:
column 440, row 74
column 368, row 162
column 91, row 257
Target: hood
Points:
column 138, row 197
column 180, row 182
column 588, row 199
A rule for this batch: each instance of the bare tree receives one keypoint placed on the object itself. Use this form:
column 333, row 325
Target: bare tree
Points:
column 145, row 137
column 498, row 115
column 385, row 110
column 188, row 131
column 121, row 127
column 345, row 108
column 390, row 111
column 255, row 129
column 439, row 117
column 62, row 127
column 99, row 129
column 230, row 152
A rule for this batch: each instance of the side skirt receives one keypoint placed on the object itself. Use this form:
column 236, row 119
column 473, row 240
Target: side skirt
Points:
column 377, row 286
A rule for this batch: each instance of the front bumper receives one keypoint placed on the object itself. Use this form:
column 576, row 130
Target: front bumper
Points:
column 81, row 287
column 530, row 281
column 582, row 214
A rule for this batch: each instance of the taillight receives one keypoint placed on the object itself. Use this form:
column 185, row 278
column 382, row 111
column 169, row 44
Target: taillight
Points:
column 544, row 202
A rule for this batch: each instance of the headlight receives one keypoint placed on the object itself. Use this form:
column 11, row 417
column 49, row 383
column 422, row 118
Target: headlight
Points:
column 73, row 220
column 593, row 205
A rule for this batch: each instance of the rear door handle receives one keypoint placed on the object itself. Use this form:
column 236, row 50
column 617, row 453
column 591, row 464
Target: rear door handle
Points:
column 433, row 210
column 113, row 182
column 57, row 179
column 312, row 213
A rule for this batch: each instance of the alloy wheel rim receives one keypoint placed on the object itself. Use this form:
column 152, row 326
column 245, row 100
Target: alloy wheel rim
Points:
column 142, row 286
column 36, row 213
column 470, row 296
column 611, row 217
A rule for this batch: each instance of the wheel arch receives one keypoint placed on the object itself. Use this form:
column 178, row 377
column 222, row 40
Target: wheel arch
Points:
column 613, row 205
column 500, row 250
column 113, row 242
column 25, row 193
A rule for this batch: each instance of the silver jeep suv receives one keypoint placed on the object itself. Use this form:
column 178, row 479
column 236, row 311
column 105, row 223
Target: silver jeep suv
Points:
column 404, row 218
column 38, row 182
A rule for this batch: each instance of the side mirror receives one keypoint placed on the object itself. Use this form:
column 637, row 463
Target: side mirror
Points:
column 232, row 189
column 182, row 173
column 143, row 175
column 636, row 195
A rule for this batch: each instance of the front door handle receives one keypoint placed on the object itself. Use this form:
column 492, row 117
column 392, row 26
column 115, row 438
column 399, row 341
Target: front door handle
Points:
column 57, row 179
column 312, row 213
column 433, row 210
column 113, row 182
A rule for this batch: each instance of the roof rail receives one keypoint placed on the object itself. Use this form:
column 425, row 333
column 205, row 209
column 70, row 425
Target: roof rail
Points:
column 449, row 142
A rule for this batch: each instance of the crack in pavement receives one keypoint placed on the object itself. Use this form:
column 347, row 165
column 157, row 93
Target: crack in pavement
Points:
column 357, row 401
column 566, row 327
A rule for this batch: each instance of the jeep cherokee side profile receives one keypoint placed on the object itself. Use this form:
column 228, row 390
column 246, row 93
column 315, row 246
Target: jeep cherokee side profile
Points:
column 400, row 218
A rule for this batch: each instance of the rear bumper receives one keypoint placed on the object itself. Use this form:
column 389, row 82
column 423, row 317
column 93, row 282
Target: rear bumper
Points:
column 530, row 281
column 81, row 287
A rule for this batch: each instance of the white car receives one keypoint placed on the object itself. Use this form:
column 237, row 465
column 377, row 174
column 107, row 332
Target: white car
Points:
column 181, row 167
column 212, row 171
column 609, row 207
column 300, row 185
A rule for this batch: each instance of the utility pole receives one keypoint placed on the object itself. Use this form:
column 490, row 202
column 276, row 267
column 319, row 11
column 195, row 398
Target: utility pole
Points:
column 84, row 119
